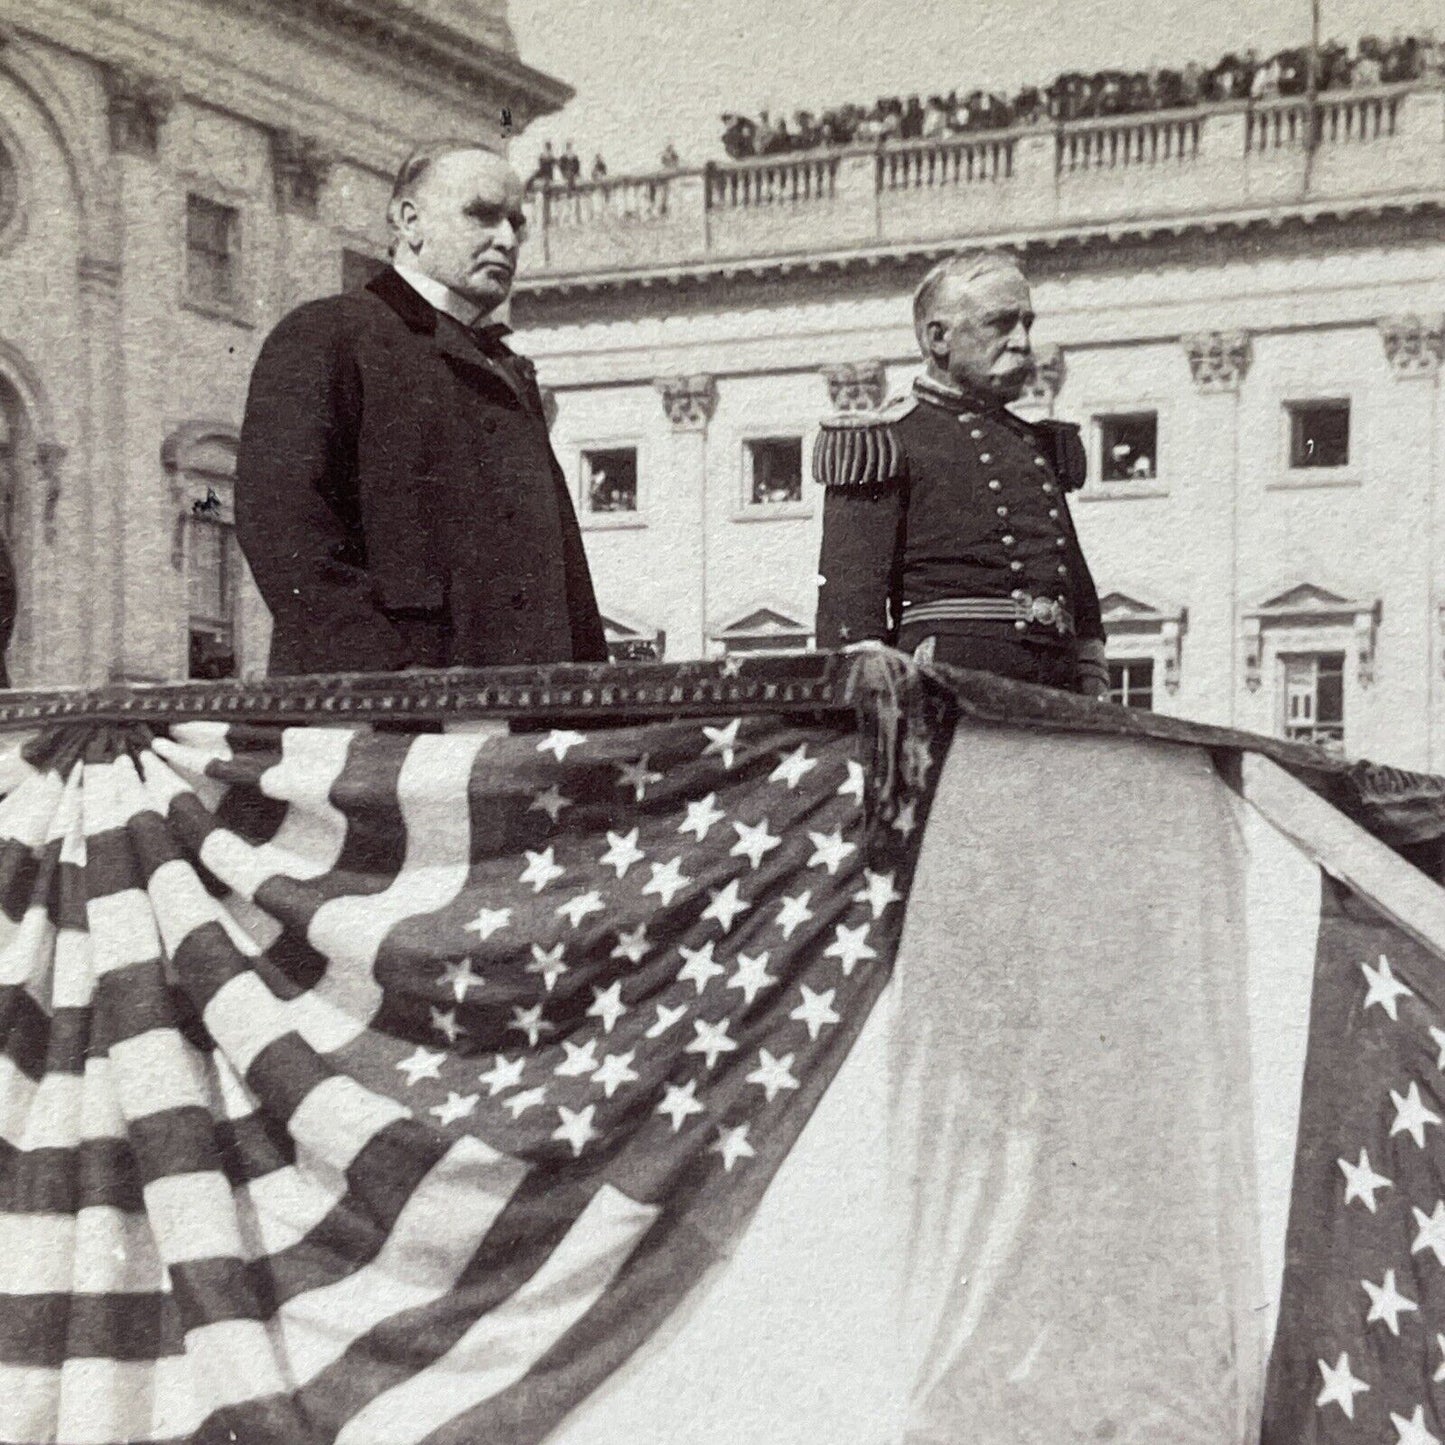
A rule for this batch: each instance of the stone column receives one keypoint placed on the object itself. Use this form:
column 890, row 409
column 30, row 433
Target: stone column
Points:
column 1218, row 362
column 1414, row 619
column 689, row 402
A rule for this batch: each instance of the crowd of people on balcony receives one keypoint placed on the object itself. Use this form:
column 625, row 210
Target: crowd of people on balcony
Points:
column 565, row 171
column 1078, row 96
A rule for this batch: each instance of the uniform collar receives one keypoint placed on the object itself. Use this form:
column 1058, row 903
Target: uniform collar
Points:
column 951, row 398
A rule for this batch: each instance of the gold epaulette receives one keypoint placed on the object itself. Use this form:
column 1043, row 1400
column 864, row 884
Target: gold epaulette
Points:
column 861, row 448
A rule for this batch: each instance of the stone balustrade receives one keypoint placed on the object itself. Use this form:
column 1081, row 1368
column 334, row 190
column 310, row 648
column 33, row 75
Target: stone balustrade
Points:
column 1207, row 165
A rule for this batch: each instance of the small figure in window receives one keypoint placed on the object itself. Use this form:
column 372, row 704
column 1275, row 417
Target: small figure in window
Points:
column 1141, row 468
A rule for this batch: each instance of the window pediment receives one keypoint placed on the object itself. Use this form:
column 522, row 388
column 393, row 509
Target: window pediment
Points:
column 1159, row 628
column 1311, row 606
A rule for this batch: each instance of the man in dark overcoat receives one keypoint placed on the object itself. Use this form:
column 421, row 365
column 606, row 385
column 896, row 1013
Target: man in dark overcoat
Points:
column 397, row 496
column 946, row 526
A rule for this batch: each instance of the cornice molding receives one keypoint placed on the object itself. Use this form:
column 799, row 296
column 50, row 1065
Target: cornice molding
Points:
column 706, row 271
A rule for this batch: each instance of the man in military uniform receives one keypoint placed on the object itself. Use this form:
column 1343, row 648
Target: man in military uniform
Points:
column 945, row 526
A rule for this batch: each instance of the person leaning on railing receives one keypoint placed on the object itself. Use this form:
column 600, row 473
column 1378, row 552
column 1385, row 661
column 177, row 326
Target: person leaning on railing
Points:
column 946, row 530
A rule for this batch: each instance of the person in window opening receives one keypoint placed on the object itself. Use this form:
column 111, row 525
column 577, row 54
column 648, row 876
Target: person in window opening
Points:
column 397, row 496
column 599, row 167
column 946, row 531
column 569, row 166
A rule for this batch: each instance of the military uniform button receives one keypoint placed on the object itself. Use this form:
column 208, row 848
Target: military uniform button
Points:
column 1062, row 570
column 1040, row 462
column 985, row 456
column 995, row 485
column 1017, row 594
column 1003, row 511
column 1053, row 514
column 976, row 434
column 1008, row 540
column 1021, row 626
column 1060, row 542
column 1016, row 566
column 1048, row 489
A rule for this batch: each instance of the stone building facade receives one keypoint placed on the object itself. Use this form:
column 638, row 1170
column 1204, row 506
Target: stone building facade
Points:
column 1245, row 311
column 174, row 177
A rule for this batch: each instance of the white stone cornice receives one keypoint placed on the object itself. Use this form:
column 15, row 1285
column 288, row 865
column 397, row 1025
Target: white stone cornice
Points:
column 688, row 400
column 1414, row 344
column 1218, row 360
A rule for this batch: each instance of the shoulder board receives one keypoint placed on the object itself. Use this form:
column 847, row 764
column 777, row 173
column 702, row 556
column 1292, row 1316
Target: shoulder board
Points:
column 1063, row 443
column 861, row 448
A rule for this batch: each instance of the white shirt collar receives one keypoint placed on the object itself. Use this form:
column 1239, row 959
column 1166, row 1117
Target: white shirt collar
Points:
column 440, row 296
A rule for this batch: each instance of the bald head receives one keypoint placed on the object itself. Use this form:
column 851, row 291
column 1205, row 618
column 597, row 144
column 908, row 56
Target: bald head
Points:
column 456, row 210
column 972, row 315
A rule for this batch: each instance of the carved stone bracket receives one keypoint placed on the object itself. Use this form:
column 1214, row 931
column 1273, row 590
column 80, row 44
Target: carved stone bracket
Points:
column 1048, row 376
column 688, row 400
column 1218, row 360
column 1414, row 345
column 299, row 166
column 138, row 105
column 856, row 385
column 48, row 458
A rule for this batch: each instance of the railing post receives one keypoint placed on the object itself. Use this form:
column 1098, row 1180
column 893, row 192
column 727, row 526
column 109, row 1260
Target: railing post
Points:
column 856, row 186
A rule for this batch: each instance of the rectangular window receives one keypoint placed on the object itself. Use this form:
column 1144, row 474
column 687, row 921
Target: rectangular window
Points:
column 1314, row 698
column 1128, row 446
column 775, row 471
column 213, row 270
column 358, row 268
column 211, row 575
column 609, row 480
column 1319, row 434
column 1131, row 682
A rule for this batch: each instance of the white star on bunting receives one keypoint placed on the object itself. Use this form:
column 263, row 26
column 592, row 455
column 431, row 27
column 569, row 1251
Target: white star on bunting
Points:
column 754, row 843
column 632, row 946
column 504, row 1074
column 878, row 892
column 666, row 1018
column 637, row 776
column 614, row 1071
column 560, row 741
column 607, row 1005
column 542, row 868
column 711, row 1040
column 622, row 852
column 489, row 921
column 793, row 912
column 752, row 976
column 667, row 880
column 723, row 742
column 1361, row 1181
column 581, row 905
column 1413, row 1431
column 1385, row 989
column 457, row 1106
column 461, row 978
column 1387, row 1303
column 794, row 767
column 815, row 1010
column 679, row 1101
column 733, row 1145
column 445, row 1023
column 852, row 786
column 423, row 1064
column 550, row 801
column 1341, row 1386
column 726, row 905
column 1432, row 1231
column 829, row 850
column 906, row 821
column 850, row 947
column 529, row 1021
column 702, row 815
column 773, row 1075
column 581, row 1059
column 576, row 1127
column 527, row 1099
column 700, row 968
column 1411, row 1115
column 547, row 962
